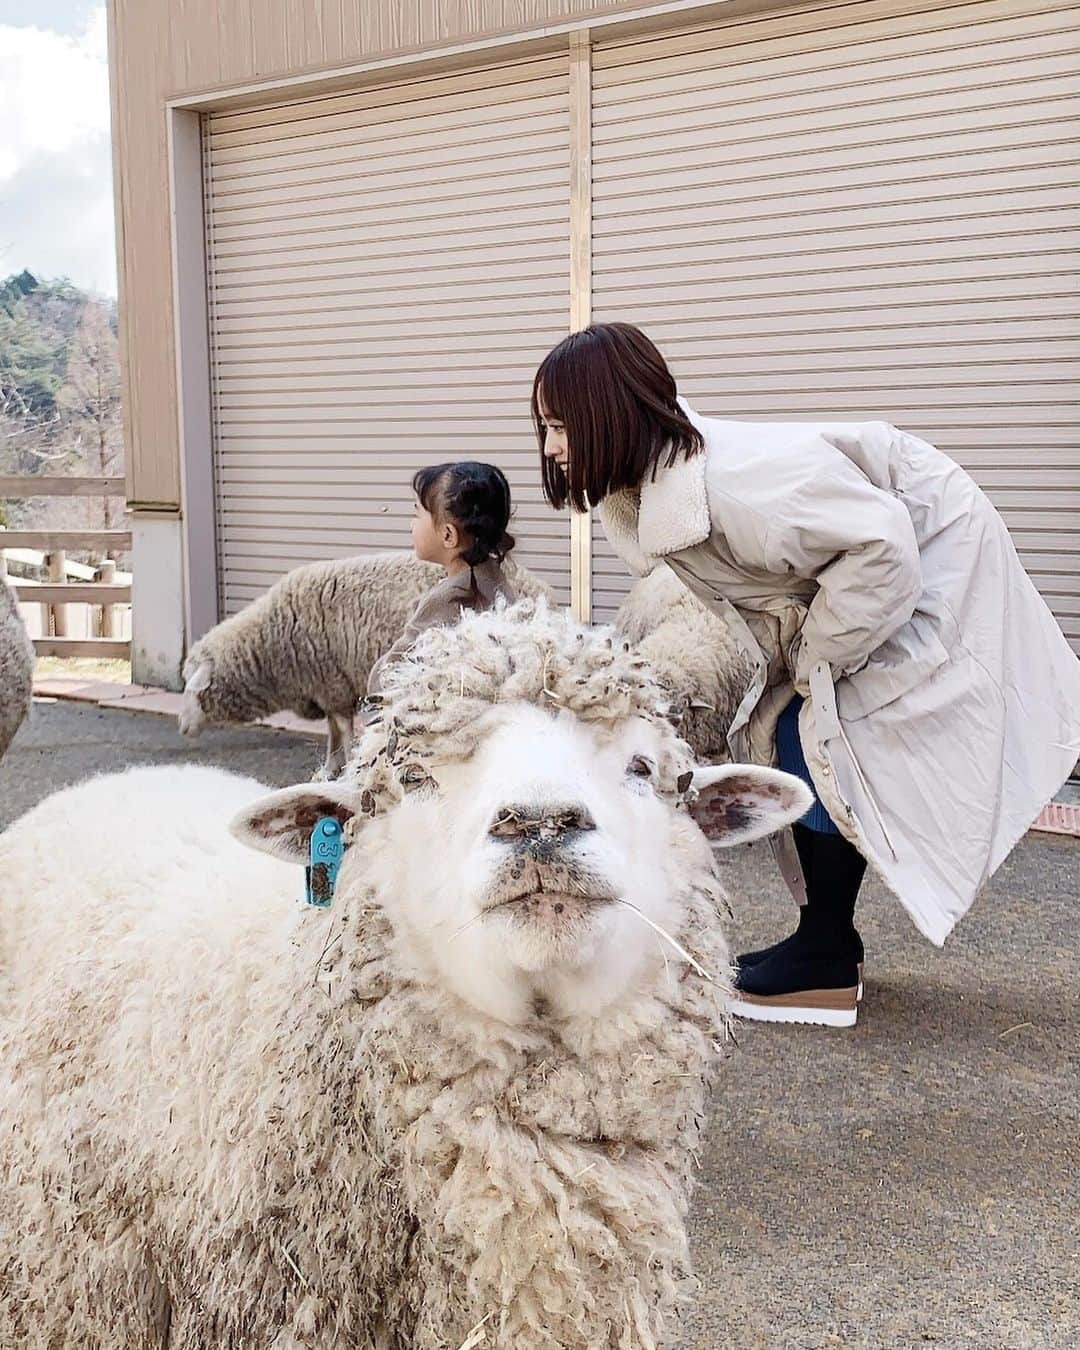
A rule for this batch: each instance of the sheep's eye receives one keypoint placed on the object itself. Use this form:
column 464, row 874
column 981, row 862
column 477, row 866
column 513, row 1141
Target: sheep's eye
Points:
column 641, row 767
column 415, row 776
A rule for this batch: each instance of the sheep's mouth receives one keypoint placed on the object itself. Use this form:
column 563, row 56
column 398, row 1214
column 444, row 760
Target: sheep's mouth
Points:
column 549, row 907
column 556, row 896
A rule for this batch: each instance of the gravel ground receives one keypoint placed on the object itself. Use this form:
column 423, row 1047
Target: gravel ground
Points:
column 912, row 1182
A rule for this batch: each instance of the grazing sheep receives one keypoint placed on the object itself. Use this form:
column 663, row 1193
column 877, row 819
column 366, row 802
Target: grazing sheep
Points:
column 460, row 1107
column 694, row 656
column 16, row 667
column 309, row 643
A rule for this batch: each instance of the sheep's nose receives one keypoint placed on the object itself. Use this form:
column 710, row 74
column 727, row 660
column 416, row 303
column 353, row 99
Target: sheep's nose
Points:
column 541, row 824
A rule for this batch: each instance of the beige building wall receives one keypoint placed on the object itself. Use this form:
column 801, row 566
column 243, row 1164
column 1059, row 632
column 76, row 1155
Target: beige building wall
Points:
column 865, row 209
column 162, row 50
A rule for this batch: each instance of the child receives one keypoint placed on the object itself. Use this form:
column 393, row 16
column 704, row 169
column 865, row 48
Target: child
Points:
column 459, row 522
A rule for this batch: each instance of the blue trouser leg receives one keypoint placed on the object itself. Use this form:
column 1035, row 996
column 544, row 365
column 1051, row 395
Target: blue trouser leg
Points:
column 792, row 760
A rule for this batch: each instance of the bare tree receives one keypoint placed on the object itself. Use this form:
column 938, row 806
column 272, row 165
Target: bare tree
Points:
column 90, row 400
column 26, row 433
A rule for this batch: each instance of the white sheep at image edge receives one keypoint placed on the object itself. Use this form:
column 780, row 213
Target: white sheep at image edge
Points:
column 462, row 1106
column 16, row 667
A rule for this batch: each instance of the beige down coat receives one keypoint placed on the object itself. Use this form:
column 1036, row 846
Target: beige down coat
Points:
column 862, row 568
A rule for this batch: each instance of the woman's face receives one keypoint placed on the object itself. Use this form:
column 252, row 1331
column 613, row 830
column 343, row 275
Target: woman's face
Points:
column 555, row 446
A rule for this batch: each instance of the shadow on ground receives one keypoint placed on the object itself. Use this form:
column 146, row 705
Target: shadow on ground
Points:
column 912, row 1182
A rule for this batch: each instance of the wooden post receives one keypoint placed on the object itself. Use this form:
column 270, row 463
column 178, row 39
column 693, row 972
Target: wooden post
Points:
column 107, row 573
column 580, row 281
column 57, row 565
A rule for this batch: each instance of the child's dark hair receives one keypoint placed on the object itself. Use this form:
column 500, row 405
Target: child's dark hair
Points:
column 476, row 497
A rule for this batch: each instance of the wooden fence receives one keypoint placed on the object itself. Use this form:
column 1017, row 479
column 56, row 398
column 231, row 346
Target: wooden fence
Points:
column 58, row 592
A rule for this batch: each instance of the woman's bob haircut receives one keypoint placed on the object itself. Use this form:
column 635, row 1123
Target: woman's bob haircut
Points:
column 613, row 392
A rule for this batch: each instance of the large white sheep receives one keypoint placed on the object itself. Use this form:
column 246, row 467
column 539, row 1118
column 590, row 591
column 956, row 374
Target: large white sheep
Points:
column 308, row 645
column 16, row 667
column 694, row 656
column 460, row 1107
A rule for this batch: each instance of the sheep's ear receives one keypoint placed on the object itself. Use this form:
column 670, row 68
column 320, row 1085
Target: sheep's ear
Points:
column 282, row 823
column 739, row 802
column 199, row 679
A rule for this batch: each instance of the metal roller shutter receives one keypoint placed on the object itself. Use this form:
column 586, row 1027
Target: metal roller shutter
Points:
column 862, row 210
column 386, row 270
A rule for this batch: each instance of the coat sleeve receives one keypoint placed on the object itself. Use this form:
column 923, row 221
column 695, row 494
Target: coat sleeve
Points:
column 857, row 542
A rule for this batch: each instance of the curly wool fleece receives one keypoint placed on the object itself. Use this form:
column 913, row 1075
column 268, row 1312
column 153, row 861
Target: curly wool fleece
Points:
column 434, row 701
column 230, row 1130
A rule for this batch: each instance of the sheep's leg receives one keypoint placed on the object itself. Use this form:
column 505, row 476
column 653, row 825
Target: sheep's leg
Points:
column 338, row 741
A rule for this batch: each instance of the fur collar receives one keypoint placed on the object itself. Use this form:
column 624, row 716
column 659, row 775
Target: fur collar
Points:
column 666, row 514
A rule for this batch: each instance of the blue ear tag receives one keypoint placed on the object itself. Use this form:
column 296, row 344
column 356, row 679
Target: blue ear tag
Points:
column 325, row 852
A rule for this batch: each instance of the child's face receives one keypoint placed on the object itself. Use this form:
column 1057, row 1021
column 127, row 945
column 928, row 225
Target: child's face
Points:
column 433, row 542
column 555, row 446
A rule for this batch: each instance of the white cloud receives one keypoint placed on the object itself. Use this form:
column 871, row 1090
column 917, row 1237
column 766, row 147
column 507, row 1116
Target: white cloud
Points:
column 56, row 203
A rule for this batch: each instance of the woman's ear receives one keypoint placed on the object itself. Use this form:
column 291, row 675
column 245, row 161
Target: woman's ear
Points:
column 451, row 536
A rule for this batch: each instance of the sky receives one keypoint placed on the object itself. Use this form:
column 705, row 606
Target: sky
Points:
column 56, row 195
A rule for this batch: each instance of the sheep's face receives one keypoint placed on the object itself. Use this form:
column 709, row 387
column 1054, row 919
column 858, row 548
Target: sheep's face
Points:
column 533, row 874
column 198, row 678
column 549, row 838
